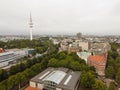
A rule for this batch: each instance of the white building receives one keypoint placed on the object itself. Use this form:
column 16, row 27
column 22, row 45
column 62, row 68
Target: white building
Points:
column 6, row 58
column 84, row 55
column 11, row 55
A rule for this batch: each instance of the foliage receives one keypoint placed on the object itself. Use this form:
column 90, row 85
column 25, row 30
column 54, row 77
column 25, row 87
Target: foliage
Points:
column 99, row 85
column 87, row 79
column 71, row 61
column 112, row 86
column 52, row 62
column 118, row 76
column 3, row 74
column 113, row 63
column 110, row 72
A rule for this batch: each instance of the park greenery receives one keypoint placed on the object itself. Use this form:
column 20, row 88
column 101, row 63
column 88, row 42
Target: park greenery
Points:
column 40, row 45
column 113, row 63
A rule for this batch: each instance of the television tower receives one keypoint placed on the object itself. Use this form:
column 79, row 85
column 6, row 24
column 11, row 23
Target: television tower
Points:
column 31, row 27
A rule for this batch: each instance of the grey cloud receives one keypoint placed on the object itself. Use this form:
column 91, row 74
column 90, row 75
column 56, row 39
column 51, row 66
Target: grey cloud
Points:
column 60, row 16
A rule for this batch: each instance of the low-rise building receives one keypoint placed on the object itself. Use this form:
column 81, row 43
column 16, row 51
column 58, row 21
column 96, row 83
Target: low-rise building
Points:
column 10, row 56
column 99, row 62
column 56, row 79
column 74, row 47
column 64, row 46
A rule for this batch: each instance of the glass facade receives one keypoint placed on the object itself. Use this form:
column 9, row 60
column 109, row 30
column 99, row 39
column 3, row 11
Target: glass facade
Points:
column 49, row 85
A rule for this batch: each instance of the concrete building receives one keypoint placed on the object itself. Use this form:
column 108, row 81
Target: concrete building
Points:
column 56, row 79
column 64, row 46
column 99, row 62
column 74, row 47
column 12, row 55
column 79, row 35
column 84, row 45
column 6, row 58
column 100, row 47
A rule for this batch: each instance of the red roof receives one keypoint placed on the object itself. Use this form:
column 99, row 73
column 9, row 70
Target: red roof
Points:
column 31, row 88
column 1, row 50
column 97, row 58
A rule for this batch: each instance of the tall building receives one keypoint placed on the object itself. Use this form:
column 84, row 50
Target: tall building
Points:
column 31, row 27
column 79, row 35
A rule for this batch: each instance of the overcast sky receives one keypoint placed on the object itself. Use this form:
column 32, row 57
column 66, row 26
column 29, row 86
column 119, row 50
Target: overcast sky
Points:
column 60, row 16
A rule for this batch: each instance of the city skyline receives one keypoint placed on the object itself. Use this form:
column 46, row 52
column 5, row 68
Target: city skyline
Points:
column 53, row 17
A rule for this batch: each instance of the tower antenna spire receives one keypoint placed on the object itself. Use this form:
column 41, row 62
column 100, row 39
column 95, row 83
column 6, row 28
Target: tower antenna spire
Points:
column 31, row 26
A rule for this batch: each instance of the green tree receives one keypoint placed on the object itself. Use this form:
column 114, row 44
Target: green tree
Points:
column 3, row 74
column 52, row 62
column 98, row 85
column 61, row 55
column 3, row 85
column 118, row 76
column 87, row 79
column 110, row 72
column 75, row 65
column 12, row 81
column 112, row 86
column 21, row 78
column 63, row 63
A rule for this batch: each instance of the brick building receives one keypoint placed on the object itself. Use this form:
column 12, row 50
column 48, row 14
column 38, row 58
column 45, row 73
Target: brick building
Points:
column 74, row 49
column 99, row 62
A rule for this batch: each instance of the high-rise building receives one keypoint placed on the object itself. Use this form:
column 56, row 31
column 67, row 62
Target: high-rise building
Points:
column 31, row 27
column 79, row 35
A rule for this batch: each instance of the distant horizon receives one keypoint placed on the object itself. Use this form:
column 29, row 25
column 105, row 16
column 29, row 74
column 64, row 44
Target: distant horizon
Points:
column 60, row 34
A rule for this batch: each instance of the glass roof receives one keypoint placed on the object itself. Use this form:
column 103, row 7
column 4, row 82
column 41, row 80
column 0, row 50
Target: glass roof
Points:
column 55, row 76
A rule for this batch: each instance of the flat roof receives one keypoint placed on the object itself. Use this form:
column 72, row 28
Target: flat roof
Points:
column 6, row 53
column 63, row 77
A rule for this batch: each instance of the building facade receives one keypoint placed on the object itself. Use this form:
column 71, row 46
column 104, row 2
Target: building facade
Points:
column 12, row 55
column 99, row 62
column 84, row 46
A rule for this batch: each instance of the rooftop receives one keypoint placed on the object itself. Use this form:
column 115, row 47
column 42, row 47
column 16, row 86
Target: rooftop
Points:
column 31, row 88
column 97, row 58
column 63, row 77
column 55, row 76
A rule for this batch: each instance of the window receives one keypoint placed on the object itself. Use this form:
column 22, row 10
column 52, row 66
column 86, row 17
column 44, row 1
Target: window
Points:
column 48, row 85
